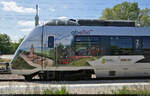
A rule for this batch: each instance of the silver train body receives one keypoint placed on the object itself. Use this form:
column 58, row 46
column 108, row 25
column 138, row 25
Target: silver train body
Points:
column 56, row 52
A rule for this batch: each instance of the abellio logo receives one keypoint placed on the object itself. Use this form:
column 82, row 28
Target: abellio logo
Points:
column 82, row 32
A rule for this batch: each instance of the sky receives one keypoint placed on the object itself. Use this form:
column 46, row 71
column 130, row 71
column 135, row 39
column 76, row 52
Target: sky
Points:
column 17, row 16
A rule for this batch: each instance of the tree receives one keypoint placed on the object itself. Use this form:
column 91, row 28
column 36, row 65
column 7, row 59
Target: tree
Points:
column 6, row 46
column 107, row 14
column 16, row 44
column 127, row 11
column 144, row 17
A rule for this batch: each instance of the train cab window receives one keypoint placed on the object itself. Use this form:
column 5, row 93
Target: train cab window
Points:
column 146, row 45
column 87, row 45
column 120, row 45
column 51, row 42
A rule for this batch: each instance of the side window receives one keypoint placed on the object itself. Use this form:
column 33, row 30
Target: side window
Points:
column 51, row 42
column 87, row 46
column 121, row 45
column 146, row 45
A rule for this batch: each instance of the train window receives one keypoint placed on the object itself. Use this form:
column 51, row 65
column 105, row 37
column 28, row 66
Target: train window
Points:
column 79, row 38
column 121, row 45
column 87, row 38
column 146, row 45
column 94, row 38
column 51, row 42
column 87, row 45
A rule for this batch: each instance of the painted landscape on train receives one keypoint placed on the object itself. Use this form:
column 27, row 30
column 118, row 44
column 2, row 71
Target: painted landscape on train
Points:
column 56, row 50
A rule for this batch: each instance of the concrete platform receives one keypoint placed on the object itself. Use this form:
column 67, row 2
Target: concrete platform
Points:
column 73, row 87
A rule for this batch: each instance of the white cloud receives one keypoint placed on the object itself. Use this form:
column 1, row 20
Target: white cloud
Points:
column 30, row 23
column 62, row 17
column 12, row 6
column 15, row 38
column 26, row 30
column 26, row 23
column 52, row 9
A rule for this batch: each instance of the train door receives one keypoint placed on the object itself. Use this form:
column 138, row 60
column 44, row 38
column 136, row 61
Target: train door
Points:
column 47, row 50
column 48, row 55
column 42, row 48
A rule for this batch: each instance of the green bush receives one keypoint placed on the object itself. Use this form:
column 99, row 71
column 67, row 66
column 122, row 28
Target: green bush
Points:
column 56, row 91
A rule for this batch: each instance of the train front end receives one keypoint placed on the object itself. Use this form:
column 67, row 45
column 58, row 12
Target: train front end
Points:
column 51, row 53
column 25, row 60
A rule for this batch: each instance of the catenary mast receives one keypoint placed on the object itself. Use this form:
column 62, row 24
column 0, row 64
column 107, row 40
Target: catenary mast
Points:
column 36, row 17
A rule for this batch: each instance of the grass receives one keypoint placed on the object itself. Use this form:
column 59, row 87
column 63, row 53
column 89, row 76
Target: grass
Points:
column 46, row 54
column 79, row 62
column 126, row 90
column 62, row 91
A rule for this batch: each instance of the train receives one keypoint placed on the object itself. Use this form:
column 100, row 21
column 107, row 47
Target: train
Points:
column 83, row 49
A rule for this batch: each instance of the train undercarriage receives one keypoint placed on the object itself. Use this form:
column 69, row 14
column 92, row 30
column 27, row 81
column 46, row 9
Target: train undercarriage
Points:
column 61, row 75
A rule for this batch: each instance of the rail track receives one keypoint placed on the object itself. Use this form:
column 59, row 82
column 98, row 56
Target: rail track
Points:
column 90, row 81
column 17, row 78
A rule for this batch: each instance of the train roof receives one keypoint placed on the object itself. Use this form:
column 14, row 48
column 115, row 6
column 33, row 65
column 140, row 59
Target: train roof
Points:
column 91, row 22
column 122, row 31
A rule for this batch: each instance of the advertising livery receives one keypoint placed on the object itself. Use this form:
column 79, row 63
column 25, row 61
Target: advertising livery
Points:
column 55, row 51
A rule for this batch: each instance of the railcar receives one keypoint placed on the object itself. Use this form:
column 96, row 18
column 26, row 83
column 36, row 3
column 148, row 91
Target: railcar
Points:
column 79, row 49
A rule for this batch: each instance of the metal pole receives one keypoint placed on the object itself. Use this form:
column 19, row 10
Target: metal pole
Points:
column 42, row 44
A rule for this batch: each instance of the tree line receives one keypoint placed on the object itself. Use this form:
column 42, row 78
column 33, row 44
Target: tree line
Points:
column 7, row 46
column 127, row 11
